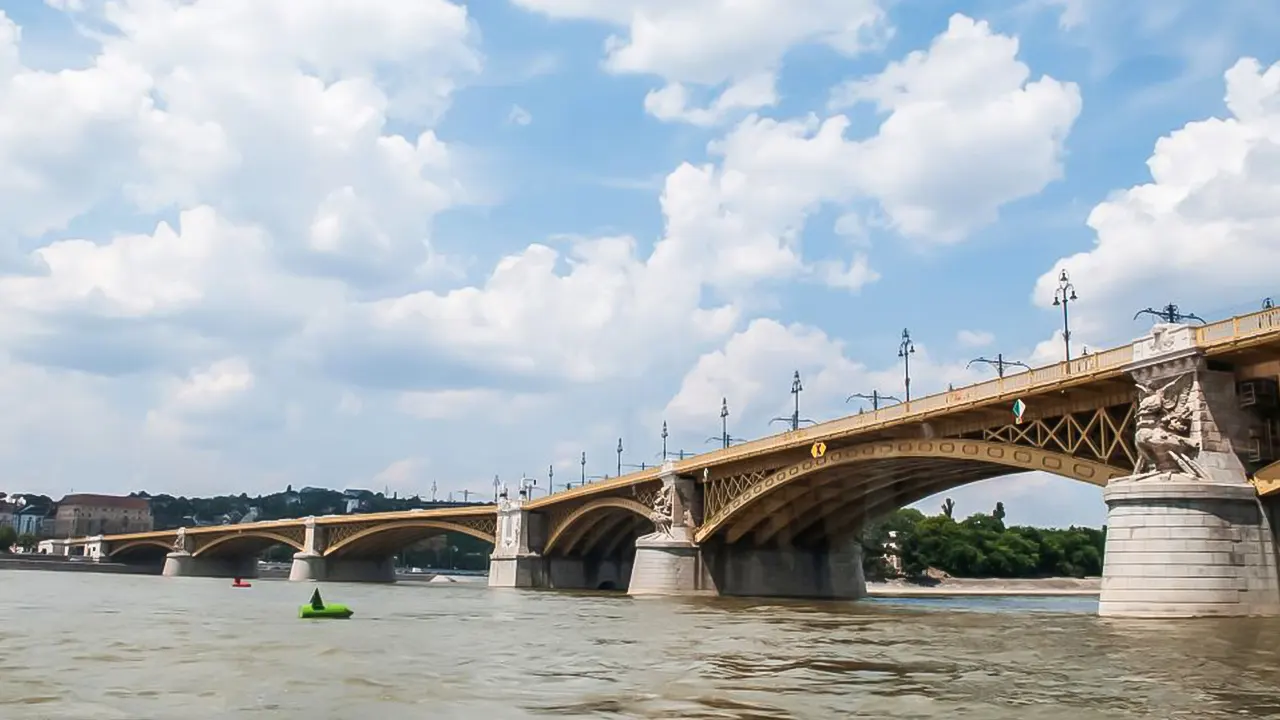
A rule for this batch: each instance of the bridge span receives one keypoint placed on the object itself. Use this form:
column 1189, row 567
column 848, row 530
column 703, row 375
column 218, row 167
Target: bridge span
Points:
column 1179, row 427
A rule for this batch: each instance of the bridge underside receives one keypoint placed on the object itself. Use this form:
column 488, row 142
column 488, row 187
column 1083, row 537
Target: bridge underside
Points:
column 596, row 551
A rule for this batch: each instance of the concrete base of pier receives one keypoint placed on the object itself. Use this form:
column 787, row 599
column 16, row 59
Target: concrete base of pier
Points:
column 833, row 572
column 519, row 571
column 666, row 566
column 313, row 567
column 184, row 564
column 1179, row 548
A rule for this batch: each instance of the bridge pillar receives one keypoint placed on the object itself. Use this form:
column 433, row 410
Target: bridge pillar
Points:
column 182, row 563
column 1186, row 533
column 833, row 572
column 514, row 563
column 668, row 561
column 308, row 563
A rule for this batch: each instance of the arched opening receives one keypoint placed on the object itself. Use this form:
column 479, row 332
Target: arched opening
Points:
column 599, row 527
column 595, row 545
column 423, row 544
column 140, row 552
column 806, row 503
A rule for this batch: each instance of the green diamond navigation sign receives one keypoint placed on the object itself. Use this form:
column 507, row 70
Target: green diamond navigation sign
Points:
column 1019, row 408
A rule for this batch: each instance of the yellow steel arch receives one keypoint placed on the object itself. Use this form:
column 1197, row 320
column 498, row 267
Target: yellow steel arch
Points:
column 1015, row 457
column 261, row 534
column 590, row 507
column 441, row 525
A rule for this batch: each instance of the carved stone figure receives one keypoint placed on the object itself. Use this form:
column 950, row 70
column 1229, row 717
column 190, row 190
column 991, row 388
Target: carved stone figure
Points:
column 663, row 511
column 1163, row 435
column 180, row 541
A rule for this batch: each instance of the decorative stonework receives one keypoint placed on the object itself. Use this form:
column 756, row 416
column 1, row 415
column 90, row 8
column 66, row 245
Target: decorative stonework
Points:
column 181, row 543
column 1186, row 413
column 663, row 515
column 1163, row 437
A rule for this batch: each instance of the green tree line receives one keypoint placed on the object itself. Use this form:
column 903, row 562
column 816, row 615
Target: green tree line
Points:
column 981, row 545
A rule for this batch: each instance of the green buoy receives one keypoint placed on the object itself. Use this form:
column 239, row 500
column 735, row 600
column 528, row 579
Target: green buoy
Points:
column 316, row 609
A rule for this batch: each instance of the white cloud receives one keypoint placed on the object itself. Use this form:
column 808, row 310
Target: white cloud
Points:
column 738, row 46
column 754, row 370
column 503, row 407
column 1206, row 224
column 975, row 338
column 964, row 106
column 519, row 116
column 406, row 476
column 204, row 394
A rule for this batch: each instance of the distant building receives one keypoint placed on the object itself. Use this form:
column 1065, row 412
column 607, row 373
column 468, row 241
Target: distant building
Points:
column 357, row 499
column 31, row 519
column 86, row 514
column 7, row 513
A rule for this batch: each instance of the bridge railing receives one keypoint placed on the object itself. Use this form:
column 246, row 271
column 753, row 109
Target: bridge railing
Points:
column 1239, row 328
column 1082, row 368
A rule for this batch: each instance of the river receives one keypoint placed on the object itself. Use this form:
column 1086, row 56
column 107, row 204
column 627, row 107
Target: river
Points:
column 106, row 647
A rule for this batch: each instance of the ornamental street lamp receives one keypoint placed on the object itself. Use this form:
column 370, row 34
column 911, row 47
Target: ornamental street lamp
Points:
column 1063, row 296
column 875, row 397
column 1170, row 313
column 795, row 419
column 906, row 349
column 999, row 363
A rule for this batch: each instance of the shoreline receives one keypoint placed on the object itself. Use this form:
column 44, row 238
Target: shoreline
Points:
column 989, row 587
column 951, row 587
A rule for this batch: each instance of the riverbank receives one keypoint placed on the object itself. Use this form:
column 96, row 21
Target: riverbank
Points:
column 1049, row 587
column 62, row 564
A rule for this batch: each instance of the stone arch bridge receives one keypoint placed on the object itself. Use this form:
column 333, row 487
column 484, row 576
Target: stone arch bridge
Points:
column 779, row 516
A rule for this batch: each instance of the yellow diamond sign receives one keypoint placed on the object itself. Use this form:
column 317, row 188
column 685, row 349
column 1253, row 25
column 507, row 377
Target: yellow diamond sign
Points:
column 818, row 450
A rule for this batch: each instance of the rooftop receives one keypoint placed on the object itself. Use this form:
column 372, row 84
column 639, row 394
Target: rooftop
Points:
column 110, row 501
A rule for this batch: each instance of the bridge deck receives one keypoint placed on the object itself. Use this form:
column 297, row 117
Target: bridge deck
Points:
column 1107, row 370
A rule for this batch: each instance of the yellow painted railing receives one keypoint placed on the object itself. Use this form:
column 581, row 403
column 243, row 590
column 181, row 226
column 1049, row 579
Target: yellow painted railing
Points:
column 1217, row 335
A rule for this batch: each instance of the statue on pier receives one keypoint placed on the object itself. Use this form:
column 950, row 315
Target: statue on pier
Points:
column 180, row 540
column 1163, row 436
column 663, row 512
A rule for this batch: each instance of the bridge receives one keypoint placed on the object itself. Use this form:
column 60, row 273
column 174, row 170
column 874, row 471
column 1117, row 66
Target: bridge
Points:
column 779, row 516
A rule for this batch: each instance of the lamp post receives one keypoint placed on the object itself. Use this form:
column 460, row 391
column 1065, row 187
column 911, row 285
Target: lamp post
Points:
column 724, row 421
column 619, row 457
column 1170, row 313
column 875, row 397
column 1063, row 296
column 1267, row 304
column 725, row 438
column 664, row 440
column 1000, row 363
column 796, row 388
column 551, row 479
column 583, row 463
column 496, row 485
column 433, row 491
column 906, row 349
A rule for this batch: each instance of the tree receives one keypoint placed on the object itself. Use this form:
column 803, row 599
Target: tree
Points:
column 28, row 542
column 998, row 513
column 949, row 508
column 8, row 538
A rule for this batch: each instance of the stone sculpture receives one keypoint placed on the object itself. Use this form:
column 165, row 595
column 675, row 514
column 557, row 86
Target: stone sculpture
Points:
column 180, row 540
column 663, row 512
column 1164, row 433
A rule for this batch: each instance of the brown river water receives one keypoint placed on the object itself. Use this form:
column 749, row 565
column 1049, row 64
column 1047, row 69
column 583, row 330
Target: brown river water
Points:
column 106, row 647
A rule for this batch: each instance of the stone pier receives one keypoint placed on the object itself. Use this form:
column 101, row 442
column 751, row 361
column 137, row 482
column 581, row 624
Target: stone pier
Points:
column 833, row 572
column 668, row 561
column 1186, row 534
column 184, row 564
column 514, row 563
column 310, row 564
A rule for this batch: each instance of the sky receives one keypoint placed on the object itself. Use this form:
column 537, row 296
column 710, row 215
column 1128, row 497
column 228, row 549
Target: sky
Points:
column 392, row 244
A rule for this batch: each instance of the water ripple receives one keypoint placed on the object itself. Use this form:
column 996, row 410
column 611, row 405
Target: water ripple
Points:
column 160, row 648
